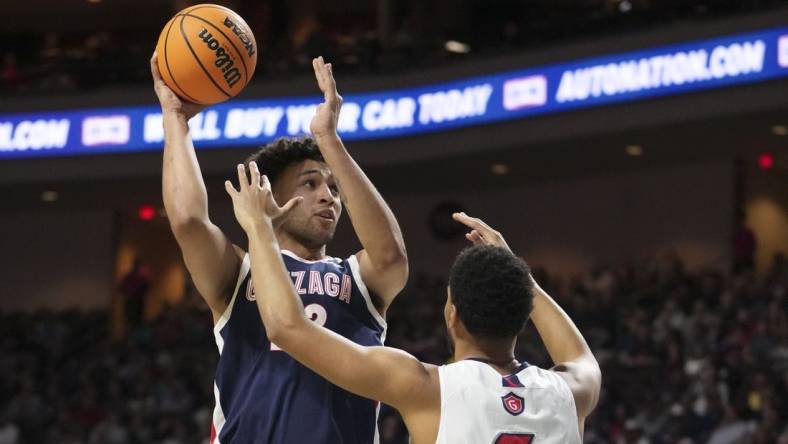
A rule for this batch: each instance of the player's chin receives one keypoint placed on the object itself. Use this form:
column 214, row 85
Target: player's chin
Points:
column 328, row 234
column 323, row 233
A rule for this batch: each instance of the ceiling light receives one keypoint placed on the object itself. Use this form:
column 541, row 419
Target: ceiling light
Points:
column 780, row 130
column 49, row 196
column 457, row 47
column 499, row 169
column 634, row 150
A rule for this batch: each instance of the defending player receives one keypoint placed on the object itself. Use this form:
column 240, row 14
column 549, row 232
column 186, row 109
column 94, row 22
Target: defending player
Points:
column 262, row 394
column 486, row 395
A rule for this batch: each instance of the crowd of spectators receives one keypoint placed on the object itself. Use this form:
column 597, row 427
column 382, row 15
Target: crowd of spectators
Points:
column 418, row 32
column 686, row 357
column 64, row 380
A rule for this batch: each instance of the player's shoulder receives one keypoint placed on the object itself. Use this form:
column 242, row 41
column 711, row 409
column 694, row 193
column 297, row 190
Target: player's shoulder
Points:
column 470, row 371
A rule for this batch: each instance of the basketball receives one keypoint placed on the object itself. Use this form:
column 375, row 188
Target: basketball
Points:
column 206, row 54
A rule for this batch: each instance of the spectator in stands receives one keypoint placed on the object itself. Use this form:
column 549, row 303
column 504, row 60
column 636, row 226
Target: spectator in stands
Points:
column 9, row 432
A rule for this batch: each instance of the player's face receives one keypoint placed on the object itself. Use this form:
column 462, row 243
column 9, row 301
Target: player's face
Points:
column 314, row 221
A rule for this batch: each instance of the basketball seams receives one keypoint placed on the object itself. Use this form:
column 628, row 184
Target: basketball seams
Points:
column 219, row 7
column 167, row 63
column 197, row 59
column 229, row 40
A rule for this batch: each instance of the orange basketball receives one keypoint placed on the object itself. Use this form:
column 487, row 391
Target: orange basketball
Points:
column 206, row 54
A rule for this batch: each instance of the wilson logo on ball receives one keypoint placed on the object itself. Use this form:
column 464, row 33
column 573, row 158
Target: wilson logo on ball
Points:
column 248, row 43
column 231, row 73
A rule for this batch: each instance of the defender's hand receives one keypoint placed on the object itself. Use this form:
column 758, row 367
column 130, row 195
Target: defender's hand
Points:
column 254, row 202
column 481, row 233
column 170, row 102
column 327, row 115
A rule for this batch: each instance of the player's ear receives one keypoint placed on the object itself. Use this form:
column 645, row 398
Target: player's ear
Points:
column 450, row 310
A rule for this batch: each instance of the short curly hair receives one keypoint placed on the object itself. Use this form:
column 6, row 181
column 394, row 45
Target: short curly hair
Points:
column 492, row 290
column 273, row 158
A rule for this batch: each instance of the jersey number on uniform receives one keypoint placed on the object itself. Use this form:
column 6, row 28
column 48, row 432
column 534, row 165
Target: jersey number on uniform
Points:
column 514, row 438
column 316, row 313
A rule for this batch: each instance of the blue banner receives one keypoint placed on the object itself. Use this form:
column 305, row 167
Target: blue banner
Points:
column 668, row 70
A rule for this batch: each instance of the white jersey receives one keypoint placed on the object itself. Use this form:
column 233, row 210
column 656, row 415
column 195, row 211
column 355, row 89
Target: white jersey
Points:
column 480, row 406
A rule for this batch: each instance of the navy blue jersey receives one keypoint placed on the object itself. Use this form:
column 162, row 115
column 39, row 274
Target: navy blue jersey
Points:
column 265, row 396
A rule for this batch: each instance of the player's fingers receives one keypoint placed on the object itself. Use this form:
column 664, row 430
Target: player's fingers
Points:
column 290, row 205
column 466, row 220
column 475, row 223
column 477, row 238
column 154, row 67
column 331, row 83
column 255, row 173
column 243, row 181
column 228, row 186
column 327, row 83
column 321, row 82
column 474, row 240
column 265, row 184
column 328, row 74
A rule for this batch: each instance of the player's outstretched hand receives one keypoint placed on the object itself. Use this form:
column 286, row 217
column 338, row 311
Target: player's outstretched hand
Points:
column 481, row 233
column 327, row 115
column 170, row 102
column 254, row 202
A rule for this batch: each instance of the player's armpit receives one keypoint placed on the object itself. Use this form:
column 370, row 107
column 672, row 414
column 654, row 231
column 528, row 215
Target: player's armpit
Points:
column 212, row 260
column 385, row 374
column 585, row 380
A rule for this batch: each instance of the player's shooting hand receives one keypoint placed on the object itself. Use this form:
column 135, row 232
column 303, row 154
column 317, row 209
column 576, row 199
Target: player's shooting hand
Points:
column 254, row 202
column 481, row 233
column 327, row 115
column 170, row 102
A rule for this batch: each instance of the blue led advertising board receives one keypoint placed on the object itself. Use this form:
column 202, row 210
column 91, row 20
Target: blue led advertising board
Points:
column 615, row 78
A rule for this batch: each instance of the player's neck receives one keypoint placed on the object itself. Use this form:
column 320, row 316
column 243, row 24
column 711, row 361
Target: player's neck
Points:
column 497, row 353
column 287, row 242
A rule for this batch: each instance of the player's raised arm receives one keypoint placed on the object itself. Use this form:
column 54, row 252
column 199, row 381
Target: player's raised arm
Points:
column 383, row 262
column 569, row 351
column 378, row 373
column 564, row 342
column 210, row 257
